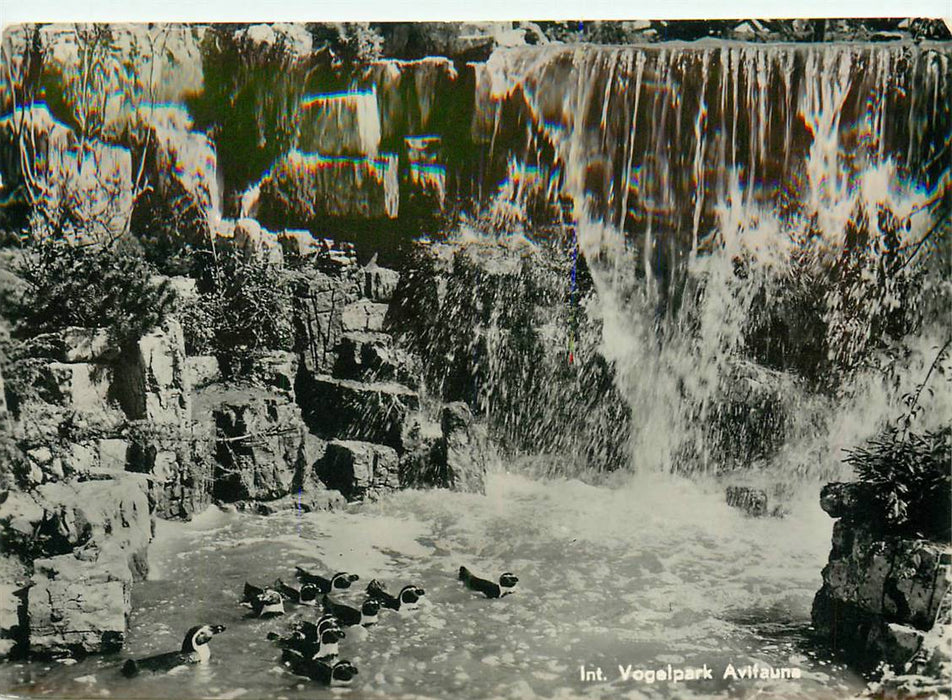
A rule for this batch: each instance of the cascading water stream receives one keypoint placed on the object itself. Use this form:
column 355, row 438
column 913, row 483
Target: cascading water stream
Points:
column 707, row 180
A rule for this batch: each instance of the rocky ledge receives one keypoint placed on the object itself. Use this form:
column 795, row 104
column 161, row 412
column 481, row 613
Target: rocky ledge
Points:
column 884, row 598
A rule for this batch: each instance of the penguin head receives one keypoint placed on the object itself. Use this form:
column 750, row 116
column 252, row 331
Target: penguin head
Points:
column 343, row 672
column 308, row 594
column 411, row 594
column 327, row 621
column 332, row 635
column 270, row 597
column 343, row 580
column 508, row 580
column 199, row 636
column 370, row 607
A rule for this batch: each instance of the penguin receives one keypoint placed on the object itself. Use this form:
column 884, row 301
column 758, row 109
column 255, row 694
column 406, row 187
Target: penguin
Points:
column 488, row 588
column 338, row 581
column 407, row 599
column 339, row 674
column 264, row 602
column 311, row 642
column 307, row 594
column 194, row 650
column 348, row 616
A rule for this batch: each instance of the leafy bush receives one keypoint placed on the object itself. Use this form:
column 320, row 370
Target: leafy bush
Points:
column 245, row 307
column 90, row 287
column 909, row 480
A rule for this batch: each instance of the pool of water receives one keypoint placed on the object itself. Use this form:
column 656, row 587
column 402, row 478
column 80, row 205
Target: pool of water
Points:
column 646, row 572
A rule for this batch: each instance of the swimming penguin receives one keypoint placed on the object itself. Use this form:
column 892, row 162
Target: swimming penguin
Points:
column 264, row 602
column 307, row 594
column 338, row 581
column 348, row 616
column 311, row 642
column 194, row 650
column 407, row 599
column 488, row 588
column 338, row 674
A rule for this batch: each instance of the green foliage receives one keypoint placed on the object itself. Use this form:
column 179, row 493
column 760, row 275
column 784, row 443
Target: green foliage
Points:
column 909, row 480
column 245, row 307
column 89, row 287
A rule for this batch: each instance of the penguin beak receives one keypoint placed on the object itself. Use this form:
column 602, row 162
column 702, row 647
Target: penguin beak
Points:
column 217, row 629
column 353, row 577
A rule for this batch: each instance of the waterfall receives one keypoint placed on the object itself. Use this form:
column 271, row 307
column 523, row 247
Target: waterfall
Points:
column 717, row 192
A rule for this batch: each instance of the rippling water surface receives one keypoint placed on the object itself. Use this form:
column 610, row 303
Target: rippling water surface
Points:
column 645, row 572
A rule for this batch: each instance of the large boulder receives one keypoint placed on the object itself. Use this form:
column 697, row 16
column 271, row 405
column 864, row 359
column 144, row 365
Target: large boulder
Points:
column 363, row 315
column 467, row 449
column 379, row 283
column 113, row 511
column 154, row 380
column 260, row 444
column 372, row 356
column 353, row 410
column 881, row 594
column 319, row 302
column 423, row 453
column 179, row 469
column 359, row 469
column 79, row 603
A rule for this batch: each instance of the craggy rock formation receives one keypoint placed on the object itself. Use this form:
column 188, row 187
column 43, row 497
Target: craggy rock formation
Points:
column 883, row 596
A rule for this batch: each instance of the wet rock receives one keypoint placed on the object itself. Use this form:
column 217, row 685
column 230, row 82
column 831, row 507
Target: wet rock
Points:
column 380, row 283
column 275, row 369
column 363, row 315
column 843, row 499
column 202, row 370
column 113, row 511
column 153, row 381
column 881, row 594
column 423, row 458
column 353, row 410
column 371, row 356
column 260, row 445
column 78, row 603
column 467, row 447
column 319, row 301
column 309, row 501
column 359, row 469
column 179, row 471
column 750, row 500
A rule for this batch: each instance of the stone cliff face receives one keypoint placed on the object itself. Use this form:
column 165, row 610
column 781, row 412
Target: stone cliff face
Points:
column 884, row 597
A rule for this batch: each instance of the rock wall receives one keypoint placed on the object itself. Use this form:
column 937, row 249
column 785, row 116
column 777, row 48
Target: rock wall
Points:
column 883, row 597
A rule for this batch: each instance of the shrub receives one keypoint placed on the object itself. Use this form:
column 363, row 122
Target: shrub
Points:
column 90, row 287
column 909, row 481
column 245, row 307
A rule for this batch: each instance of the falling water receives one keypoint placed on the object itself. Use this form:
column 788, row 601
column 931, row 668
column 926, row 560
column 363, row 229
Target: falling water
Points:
column 707, row 184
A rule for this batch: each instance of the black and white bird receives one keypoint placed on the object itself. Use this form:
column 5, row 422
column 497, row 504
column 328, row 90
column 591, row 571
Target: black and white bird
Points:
column 338, row 582
column 348, row 616
column 490, row 589
column 337, row 674
column 264, row 602
column 307, row 594
column 194, row 651
column 310, row 641
column 407, row 599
